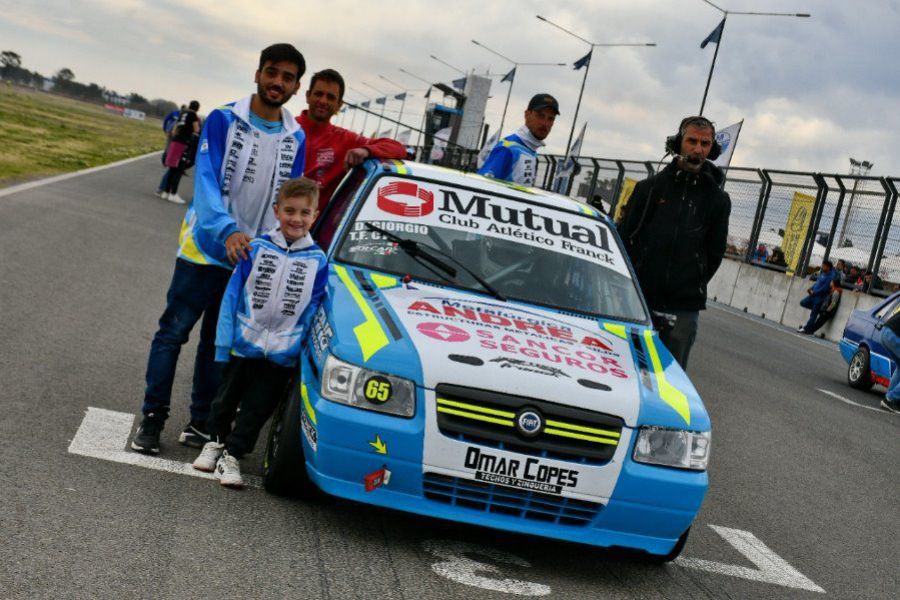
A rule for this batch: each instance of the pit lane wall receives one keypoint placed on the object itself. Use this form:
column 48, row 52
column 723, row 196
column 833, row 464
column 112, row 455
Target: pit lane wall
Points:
column 776, row 296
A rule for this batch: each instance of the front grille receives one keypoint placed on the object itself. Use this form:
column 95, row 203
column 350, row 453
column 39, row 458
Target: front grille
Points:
column 522, row 504
column 489, row 419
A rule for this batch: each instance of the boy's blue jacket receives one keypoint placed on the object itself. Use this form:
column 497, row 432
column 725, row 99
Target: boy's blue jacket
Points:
column 514, row 158
column 270, row 300
column 224, row 159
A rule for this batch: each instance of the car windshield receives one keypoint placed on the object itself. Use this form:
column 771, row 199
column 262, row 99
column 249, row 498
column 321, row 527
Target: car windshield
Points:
column 521, row 249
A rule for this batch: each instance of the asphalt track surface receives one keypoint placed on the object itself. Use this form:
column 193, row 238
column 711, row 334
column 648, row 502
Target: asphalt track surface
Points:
column 83, row 274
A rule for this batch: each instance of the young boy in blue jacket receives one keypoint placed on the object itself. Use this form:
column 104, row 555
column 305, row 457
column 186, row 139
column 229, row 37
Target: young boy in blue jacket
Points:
column 265, row 315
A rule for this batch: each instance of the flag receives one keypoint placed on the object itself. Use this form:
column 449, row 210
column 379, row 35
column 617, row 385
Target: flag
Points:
column 460, row 83
column 584, row 60
column 727, row 139
column 488, row 146
column 385, row 133
column 381, row 100
column 509, row 76
column 404, row 136
column 344, row 108
column 568, row 168
column 428, row 92
column 400, row 96
column 364, row 104
column 715, row 36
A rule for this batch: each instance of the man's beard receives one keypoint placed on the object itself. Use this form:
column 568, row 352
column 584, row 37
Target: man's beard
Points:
column 264, row 98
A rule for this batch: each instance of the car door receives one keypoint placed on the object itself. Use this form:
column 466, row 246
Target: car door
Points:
column 880, row 363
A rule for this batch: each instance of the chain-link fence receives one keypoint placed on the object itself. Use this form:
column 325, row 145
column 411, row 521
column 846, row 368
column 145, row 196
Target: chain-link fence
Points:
column 785, row 220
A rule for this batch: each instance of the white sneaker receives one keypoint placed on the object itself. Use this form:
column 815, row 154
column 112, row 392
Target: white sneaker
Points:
column 228, row 471
column 206, row 462
column 160, row 193
column 175, row 199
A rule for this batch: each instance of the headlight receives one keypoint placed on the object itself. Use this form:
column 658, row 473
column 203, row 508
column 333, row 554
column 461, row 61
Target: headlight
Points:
column 673, row 448
column 370, row 390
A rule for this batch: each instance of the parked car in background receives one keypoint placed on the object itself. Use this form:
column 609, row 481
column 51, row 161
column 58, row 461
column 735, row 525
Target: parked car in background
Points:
column 868, row 362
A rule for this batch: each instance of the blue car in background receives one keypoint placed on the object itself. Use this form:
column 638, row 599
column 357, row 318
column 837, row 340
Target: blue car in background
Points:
column 868, row 362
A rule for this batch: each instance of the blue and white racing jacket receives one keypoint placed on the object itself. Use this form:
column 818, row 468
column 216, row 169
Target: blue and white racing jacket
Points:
column 514, row 158
column 239, row 172
column 271, row 299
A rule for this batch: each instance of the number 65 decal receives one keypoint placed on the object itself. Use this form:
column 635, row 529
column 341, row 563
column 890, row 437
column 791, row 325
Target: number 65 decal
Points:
column 458, row 567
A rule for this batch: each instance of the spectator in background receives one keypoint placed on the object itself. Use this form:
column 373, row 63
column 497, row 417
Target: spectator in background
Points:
column 761, row 254
column 332, row 150
column 828, row 308
column 816, row 294
column 777, row 257
column 840, row 270
column 187, row 126
column 852, row 279
column 167, row 125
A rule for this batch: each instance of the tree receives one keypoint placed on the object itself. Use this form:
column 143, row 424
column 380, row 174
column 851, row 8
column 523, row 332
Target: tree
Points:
column 64, row 75
column 10, row 60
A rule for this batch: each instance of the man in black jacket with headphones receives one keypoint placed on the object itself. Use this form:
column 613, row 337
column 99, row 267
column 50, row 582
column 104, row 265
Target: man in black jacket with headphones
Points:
column 675, row 230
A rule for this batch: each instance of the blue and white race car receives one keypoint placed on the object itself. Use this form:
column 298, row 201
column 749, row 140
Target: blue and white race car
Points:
column 484, row 355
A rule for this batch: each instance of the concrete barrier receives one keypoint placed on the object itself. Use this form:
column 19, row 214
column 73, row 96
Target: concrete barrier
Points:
column 721, row 286
column 761, row 292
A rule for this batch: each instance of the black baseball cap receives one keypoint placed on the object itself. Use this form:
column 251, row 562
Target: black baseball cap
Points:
column 539, row 101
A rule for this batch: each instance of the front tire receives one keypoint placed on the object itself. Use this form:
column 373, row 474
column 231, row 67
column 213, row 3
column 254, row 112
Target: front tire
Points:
column 284, row 464
column 859, row 371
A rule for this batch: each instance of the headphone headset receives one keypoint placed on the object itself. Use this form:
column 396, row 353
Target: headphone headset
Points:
column 673, row 142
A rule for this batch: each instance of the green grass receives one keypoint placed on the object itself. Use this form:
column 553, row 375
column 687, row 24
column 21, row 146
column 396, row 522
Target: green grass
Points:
column 42, row 134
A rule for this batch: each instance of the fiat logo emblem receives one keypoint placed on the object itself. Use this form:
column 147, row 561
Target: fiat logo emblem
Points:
column 529, row 422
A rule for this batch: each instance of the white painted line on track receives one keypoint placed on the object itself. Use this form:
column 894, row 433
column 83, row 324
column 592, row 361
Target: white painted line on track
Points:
column 57, row 178
column 104, row 434
column 851, row 402
column 770, row 568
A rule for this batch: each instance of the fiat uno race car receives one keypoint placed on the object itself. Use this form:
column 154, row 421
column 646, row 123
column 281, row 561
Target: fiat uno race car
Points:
column 484, row 355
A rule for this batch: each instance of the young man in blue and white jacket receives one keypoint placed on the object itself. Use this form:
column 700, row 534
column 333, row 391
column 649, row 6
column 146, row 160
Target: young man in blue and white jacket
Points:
column 247, row 149
column 514, row 158
column 265, row 315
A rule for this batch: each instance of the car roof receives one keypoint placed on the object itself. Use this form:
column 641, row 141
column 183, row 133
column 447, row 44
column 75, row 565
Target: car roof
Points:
column 505, row 188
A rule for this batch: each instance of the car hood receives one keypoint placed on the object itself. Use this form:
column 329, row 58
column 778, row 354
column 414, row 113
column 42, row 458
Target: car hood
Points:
column 434, row 335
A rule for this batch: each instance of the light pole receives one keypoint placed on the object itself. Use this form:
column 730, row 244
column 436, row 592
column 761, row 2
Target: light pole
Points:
column 402, row 97
column 457, row 69
column 383, row 103
column 586, row 63
column 857, row 167
column 512, row 79
column 427, row 94
column 716, row 37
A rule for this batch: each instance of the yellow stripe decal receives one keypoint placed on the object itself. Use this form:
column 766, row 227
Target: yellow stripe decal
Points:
column 479, row 409
column 468, row 415
column 306, row 404
column 384, row 281
column 401, row 168
column 581, row 428
column 581, row 436
column 669, row 393
column 369, row 333
column 616, row 330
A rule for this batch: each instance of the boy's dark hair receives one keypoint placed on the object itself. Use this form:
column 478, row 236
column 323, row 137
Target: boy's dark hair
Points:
column 194, row 105
column 829, row 263
column 283, row 52
column 331, row 76
column 302, row 187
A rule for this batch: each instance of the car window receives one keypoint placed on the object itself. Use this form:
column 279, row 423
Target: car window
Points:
column 330, row 219
column 888, row 309
column 527, row 251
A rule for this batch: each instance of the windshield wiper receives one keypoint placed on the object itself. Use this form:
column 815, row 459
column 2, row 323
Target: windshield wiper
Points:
column 418, row 249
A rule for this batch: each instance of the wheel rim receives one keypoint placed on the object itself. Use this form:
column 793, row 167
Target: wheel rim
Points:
column 856, row 368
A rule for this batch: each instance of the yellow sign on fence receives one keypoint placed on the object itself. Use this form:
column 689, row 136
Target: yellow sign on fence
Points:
column 625, row 195
column 796, row 227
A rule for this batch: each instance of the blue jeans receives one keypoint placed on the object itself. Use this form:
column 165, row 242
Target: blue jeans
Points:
column 891, row 343
column 164, row 182
column 814, row 304
column 680, row 338
column 195, row 291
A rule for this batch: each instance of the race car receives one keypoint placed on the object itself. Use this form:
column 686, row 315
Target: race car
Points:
column 867, row 361
column 485, row 355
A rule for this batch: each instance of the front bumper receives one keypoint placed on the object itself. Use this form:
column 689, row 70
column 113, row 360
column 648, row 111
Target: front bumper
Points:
column 648, row 510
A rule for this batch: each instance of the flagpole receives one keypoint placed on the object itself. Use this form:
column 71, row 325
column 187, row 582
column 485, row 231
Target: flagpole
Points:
column 505, row 106
column 353, row 119
column 400, row 118
column 713, row 65
column 587, row 68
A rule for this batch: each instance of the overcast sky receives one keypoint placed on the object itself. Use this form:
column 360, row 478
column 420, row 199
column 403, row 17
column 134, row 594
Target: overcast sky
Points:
column 812, row 92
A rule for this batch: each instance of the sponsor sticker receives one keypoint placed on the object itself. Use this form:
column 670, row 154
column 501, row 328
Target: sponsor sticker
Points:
column 378, row 389
column 309, row 431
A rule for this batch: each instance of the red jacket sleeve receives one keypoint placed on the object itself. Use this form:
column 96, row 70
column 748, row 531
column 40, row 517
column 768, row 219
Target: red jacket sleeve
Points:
column 380, row 147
